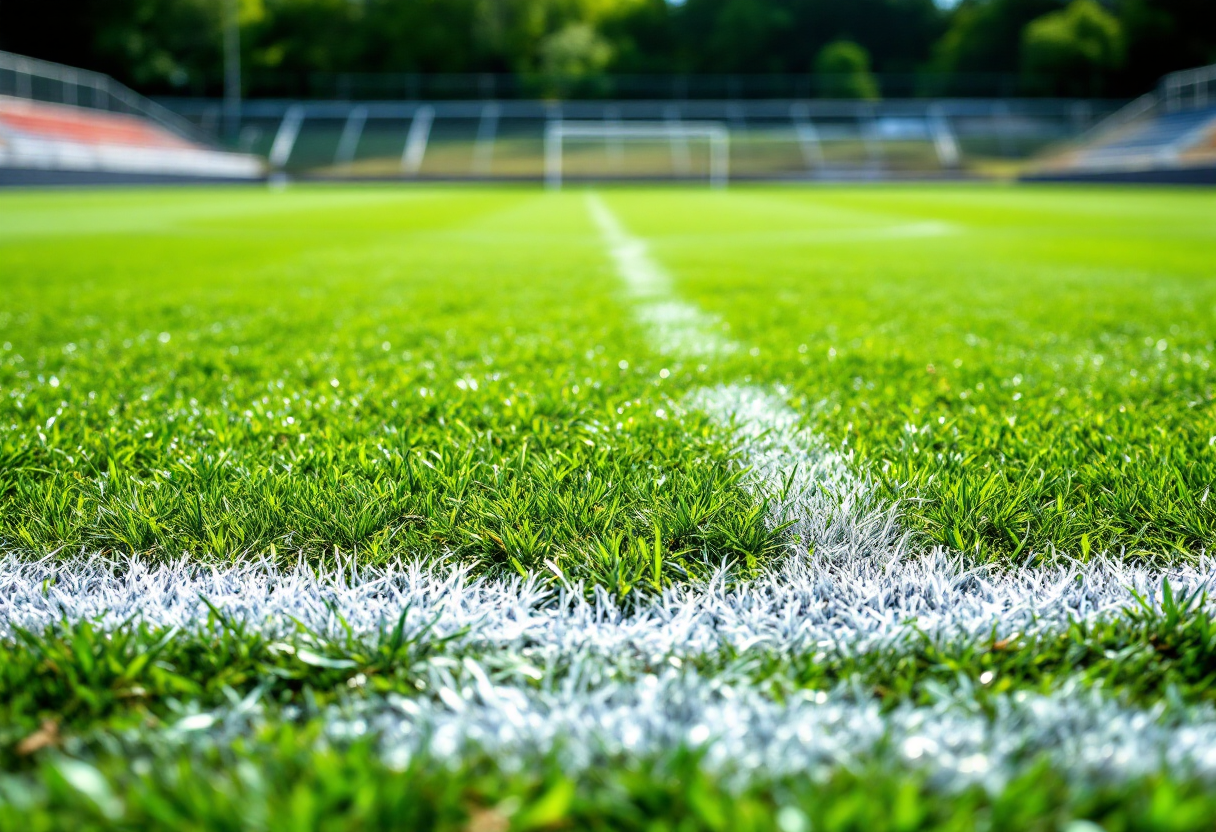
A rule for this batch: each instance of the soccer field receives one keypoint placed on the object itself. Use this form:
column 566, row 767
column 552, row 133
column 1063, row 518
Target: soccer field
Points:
column 484, row 509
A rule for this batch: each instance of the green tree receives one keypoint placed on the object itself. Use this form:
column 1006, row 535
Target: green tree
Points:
column 153, row 45
column 574, row 50
column 1072, row 51
column 986, row 47
column 843, row 71
column 429, row 36
column 756, row 36
column 1162, row 36
column 297, row 38
column 984, row 43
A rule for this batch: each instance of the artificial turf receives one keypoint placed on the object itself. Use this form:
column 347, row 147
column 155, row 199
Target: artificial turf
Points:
column 342, row 377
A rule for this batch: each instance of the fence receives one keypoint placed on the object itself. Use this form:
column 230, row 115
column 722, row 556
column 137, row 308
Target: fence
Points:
column 38, row 80
column 1189, row 89
column 767, row 139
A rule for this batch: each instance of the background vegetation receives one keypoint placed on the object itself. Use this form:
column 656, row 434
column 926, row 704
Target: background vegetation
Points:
column 1045, row 47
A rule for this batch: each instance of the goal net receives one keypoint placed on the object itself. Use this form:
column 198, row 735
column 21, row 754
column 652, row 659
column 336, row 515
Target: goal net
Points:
column 625, row 149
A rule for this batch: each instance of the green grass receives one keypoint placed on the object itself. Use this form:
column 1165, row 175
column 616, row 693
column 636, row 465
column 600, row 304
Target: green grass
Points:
column 459, row 375
column 218, row 373
column 1038, row 376
column 440, row 371
column 286, row 779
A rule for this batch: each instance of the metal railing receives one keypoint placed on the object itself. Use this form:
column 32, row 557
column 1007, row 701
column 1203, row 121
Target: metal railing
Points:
column 37, row 80
column 1117, row 141
column 1145, row 105
column 1187, row 89
column 1190, row 89
column 767, row 138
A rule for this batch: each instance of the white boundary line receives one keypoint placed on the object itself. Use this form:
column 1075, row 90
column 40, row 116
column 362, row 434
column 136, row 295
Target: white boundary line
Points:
column 961, row 740
column 815, row 602
column 1087, row 736
column 538, row 671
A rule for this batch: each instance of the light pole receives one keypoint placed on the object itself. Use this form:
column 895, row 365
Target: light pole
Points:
column 232, row 69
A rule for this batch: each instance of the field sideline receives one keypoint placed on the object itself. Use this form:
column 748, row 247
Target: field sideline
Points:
column 832, row 508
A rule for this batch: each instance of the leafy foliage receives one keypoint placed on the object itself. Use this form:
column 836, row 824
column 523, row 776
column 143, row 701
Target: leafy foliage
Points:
column 844, row 70
column 1075, row 48
column 972, row 47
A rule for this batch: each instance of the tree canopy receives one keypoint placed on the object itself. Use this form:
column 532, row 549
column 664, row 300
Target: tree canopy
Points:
column 1093, row 47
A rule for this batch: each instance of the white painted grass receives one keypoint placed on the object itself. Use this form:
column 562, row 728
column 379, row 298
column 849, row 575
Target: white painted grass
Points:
column 744, row 736
column 643, row 276
column 851, row 582
column 828, row 504
column 749, row 738
column 808, row 483
column 814, row 603
column 542, row 670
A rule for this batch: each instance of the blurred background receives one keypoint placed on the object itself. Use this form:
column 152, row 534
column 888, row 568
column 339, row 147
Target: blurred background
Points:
column 473, row 89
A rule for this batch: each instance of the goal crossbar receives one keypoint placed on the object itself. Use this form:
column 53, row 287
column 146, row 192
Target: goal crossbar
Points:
column 715, row 133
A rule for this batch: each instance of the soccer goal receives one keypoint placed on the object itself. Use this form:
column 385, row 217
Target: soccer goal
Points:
column 677, row 135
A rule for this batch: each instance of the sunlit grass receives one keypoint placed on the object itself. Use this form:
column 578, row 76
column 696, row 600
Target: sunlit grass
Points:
column 1028, row 370
column 222, row 372
column 286, row 778
column 442, row 373
column 348, row 375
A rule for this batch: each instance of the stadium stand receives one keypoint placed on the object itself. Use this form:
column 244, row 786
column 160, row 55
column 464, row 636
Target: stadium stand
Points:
column 769, row 139
column 1168, row 135
column 71, row 142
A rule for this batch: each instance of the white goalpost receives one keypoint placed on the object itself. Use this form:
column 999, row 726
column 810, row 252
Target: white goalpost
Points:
column 677, row 133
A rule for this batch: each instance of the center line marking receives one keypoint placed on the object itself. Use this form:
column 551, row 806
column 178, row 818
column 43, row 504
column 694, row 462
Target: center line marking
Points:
column 676, row 328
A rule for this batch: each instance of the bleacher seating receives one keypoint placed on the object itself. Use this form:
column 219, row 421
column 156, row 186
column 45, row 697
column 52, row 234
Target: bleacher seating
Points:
column 1164, row 136
column 40, row 137
column 1159, row 139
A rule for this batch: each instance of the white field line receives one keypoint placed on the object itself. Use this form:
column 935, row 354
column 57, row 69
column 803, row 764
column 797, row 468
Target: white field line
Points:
column 538, row 671
column 1085, row 735
column 589, row 722
column 810, row 485
column 596, row 693
column 842, row 605
column 844, row 539
column 851, row 583
column 828, row 503
column 675, row 327
column 645, row 278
